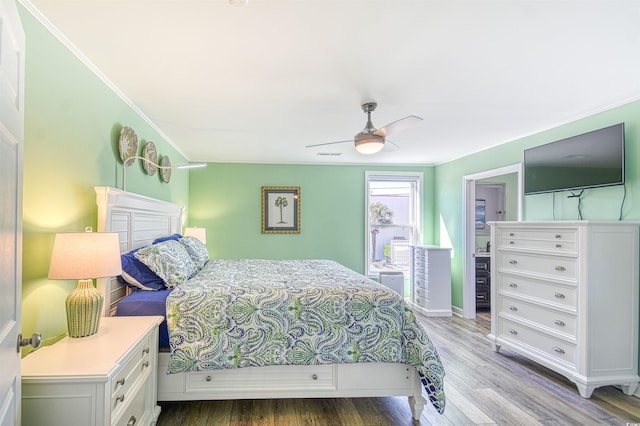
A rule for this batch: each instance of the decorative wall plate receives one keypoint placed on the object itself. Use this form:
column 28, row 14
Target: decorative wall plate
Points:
column 165, row 172
column 149, row 152
column 128, row 145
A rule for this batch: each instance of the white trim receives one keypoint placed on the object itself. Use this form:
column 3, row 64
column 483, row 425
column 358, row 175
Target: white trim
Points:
column 469, row 231
column 94, row 69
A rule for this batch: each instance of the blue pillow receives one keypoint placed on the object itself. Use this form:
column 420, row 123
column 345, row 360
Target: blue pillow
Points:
column 175, row 237
column 138, row 275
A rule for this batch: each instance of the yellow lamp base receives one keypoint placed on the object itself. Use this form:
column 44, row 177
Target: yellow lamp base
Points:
column 84, row 308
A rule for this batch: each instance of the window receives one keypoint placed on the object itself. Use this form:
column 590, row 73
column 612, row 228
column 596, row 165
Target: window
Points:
column 394, row 220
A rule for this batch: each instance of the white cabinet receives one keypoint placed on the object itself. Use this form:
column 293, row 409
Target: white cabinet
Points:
column 565, row 294
column 105, row 379
column 430, row 272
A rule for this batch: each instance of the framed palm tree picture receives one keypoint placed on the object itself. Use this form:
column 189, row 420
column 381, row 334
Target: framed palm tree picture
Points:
column 280, row 209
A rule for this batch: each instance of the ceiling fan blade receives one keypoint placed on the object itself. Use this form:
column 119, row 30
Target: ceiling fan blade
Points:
column 328, row 143
column 398, row 126
column 390, row 146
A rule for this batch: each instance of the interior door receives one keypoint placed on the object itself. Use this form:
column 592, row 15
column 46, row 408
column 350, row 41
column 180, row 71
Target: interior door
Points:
column 11, row 145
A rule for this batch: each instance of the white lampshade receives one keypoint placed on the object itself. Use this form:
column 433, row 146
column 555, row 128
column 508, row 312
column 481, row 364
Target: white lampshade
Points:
column 85, row 255
column 199, row 233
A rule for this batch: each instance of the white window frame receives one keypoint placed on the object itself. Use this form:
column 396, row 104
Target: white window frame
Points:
column 416, row 177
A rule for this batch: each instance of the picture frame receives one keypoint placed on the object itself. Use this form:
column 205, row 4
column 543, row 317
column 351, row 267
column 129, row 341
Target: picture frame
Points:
column 280, row 209
column 481, row 214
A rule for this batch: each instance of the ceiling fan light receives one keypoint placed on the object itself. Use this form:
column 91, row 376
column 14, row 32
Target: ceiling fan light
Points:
column 369, row 144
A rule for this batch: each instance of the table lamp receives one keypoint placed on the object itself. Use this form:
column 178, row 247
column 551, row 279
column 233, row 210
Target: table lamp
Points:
column 199, row 233
column 84, row 256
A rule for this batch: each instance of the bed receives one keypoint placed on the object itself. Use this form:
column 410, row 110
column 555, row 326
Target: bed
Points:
column 218, row 350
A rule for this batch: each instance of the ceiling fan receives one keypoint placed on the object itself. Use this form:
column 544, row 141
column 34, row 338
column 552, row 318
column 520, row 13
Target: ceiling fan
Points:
column 371, row 140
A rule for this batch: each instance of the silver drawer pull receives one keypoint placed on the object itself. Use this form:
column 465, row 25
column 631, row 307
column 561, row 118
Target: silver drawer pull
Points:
column 558, row 350
column 512, row 331
column 132, row 421
column 145, row 364
column 512, row 242
column 314, row 377
column 513, row 308
column 208, row 378
column 120, row 382
column 558, row 322
column 120, row 398
column 145, row 351
column 558, row 245
column 558, row 295
column 560, row 268
column 558, row 236
column 513, row 285
column 513, row 262
column 511, row 234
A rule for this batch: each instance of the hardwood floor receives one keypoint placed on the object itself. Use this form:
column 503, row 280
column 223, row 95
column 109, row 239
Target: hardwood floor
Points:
column 482, row 388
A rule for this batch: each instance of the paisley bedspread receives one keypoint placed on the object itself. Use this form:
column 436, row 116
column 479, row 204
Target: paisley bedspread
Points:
column 247, row 313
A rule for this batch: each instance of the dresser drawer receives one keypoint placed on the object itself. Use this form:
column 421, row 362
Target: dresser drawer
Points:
column 133, row 413
column 127, row 378
column 124, row 376
column 544, row 317
column 558, row 349
column 563, row 295
column 561, row 235
column 550, row 266
column 549, row 245
column 421, row 301
column 422, row 292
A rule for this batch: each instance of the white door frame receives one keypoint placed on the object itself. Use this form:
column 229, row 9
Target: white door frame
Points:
column 469, row 231
column 12, row 65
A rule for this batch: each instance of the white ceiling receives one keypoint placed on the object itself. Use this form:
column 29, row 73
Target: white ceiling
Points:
column 258, row 83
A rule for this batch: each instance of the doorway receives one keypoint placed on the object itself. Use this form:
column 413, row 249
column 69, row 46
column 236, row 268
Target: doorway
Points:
column 513, row 197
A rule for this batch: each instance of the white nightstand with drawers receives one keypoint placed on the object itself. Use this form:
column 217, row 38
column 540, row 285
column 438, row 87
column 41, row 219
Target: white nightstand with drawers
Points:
column 565, row 294
column 105, row 379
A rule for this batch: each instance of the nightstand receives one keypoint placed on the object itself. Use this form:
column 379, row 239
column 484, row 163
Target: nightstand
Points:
column 105, row 379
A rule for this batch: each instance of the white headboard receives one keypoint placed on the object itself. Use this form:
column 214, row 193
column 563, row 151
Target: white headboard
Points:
column 138, row 220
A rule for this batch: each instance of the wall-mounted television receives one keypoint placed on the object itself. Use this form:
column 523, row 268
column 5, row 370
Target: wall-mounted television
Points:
column 590, row 160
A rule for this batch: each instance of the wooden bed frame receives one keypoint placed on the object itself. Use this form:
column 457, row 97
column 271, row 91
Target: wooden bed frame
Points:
column 139, row 220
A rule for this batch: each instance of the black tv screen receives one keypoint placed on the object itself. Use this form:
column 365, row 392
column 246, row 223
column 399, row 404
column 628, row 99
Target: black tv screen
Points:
column 585, row 161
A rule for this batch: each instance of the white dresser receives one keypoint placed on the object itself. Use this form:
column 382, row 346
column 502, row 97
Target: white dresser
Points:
column 430, row 272
column 565, row 294
column 105, row 379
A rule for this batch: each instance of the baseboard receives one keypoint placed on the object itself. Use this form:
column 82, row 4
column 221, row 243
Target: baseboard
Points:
column 457, row 311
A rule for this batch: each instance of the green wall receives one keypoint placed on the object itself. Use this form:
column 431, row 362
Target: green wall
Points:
column 597, row 203
column 72, row 124
column 226, row 199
